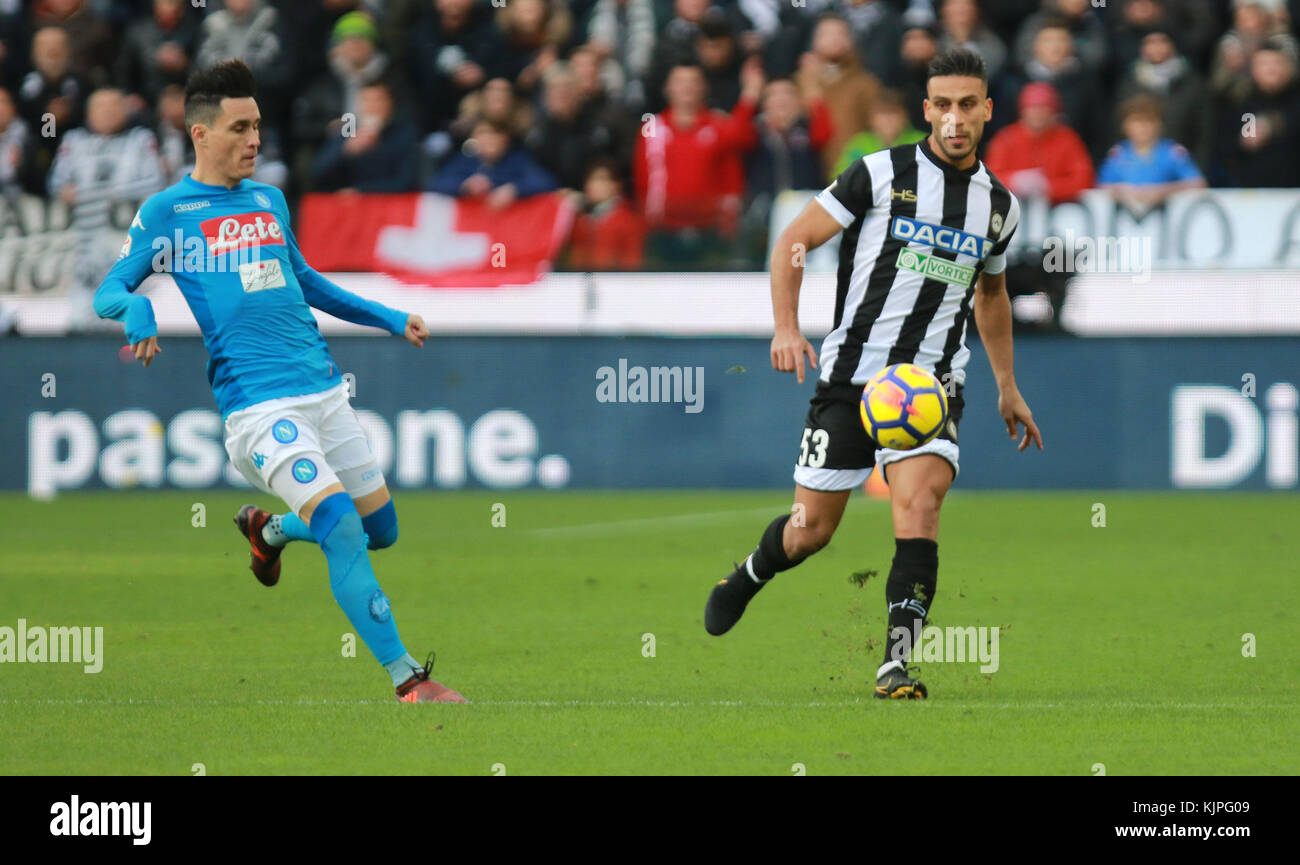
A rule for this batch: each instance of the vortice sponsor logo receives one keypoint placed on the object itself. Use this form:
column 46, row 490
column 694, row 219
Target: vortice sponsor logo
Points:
column 933, row 267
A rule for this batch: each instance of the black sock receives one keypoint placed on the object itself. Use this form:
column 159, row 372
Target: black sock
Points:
column 909, row 593
column 770, row 558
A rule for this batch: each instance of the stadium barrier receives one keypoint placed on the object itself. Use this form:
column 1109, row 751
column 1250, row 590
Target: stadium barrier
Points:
column 605, row 412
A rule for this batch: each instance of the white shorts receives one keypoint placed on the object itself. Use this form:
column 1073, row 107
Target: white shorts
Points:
column 939, row 447
column 837, row 480
column 295, row 446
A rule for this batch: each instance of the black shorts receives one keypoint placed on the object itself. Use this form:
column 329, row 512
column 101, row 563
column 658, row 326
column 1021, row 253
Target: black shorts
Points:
column 835, row 452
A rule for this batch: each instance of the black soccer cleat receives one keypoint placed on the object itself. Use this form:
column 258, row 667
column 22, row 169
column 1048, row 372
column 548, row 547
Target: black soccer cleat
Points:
column 897, row 685
column 728, row 600
column 263, row 559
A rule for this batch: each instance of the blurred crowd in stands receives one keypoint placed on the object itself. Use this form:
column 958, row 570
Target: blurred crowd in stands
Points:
column 674, row 123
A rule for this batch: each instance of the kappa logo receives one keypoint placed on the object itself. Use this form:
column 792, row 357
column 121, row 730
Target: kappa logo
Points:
column 191, row 205
column 136, row 222
column 259, row 460
column 941, row 237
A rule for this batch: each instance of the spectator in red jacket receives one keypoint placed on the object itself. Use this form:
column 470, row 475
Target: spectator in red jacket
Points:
column 688, row 170
column 608, row 233
column 1038, row 156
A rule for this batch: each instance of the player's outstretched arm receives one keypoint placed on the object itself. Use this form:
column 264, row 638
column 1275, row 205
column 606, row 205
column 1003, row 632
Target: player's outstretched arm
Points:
column 324, row 295
column 993, row 317
column 116, row 298
column 809, row 230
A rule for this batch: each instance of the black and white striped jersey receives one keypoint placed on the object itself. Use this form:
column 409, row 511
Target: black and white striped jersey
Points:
column 105, row 170
column 918, row 232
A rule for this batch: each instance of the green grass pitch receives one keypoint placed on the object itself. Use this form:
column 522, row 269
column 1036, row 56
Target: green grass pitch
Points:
column 1120, row 645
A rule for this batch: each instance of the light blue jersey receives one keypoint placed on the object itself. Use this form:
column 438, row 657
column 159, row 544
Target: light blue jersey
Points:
column 1167, row 162
column 235, row 259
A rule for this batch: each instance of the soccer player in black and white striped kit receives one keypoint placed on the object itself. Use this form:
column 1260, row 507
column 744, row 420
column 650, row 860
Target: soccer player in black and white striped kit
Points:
column 926, row 227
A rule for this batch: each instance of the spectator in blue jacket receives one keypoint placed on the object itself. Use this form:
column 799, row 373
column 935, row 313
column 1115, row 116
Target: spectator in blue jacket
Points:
column 379, row 155
column 1144, row 169
column 492, row 166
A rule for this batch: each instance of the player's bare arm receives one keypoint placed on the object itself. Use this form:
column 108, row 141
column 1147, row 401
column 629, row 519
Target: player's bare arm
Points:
column 809, row 230
column 993, row 317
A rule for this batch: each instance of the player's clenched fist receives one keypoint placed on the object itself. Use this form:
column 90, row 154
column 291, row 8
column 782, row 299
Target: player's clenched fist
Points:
column 788, row 350
column 416, row 332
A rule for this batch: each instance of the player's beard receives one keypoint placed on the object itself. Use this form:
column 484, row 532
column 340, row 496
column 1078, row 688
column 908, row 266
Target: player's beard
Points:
column 972, row 142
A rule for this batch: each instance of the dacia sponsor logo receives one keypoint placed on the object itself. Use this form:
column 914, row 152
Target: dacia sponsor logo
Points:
column 933, row 267
column 941, row 237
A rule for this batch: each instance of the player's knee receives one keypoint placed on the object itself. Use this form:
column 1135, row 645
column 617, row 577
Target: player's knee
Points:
column 381, row 526
column 337, row 527
column 922, row 502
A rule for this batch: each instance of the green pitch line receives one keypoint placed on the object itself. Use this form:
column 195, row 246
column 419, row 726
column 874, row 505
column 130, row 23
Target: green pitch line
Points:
column 1119, row 645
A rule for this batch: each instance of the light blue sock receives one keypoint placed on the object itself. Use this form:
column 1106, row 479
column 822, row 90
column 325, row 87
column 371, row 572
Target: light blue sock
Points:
column 337, row 527
column 282, row 528
column 402, row 668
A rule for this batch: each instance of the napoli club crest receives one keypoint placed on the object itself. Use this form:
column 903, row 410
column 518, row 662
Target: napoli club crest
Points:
column 304, row 471
column 284, row 431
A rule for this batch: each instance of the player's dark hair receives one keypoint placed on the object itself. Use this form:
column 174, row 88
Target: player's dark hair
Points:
column 958, row 61
column 229, row 79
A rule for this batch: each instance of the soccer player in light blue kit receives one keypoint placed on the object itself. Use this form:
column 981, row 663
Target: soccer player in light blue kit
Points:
column 290, row 430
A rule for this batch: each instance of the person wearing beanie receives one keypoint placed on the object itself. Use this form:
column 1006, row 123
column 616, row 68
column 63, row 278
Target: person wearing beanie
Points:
column 1038, row 156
